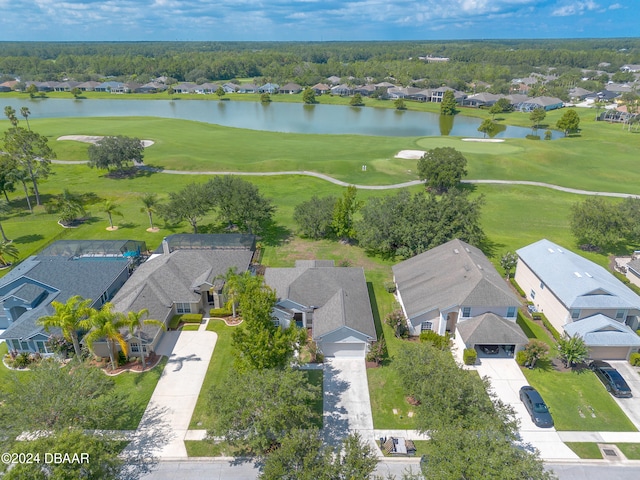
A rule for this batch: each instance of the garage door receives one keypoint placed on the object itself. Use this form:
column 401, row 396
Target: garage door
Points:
column 609, row 353
column 344, row 350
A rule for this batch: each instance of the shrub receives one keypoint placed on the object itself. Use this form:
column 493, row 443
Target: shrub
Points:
column 517, row 287
column 378, row 352
column 469, row 356
column 396, row 321
column 22, row 360
column 634, row 359
column 191, row 318
column 441, row 342
column 220, row 312
column 390, row 287
column 122, row 358
column 521, row 358
column 547, row 324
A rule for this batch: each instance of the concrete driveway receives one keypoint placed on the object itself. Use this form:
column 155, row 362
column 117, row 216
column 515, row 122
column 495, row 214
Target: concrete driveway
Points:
column 166, row 420
column 506, row 378
column 630, row 406
column 346, row 402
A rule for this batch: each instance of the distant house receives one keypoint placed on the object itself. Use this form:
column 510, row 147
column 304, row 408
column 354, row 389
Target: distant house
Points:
column 248, row 88
column 88, row 86
column 570, row 290
column 185, row 87
column 483, row 99
column 41, row 86
column 577, row 94
column 270, row 88
column 93, row 269
column 342, row 90
column 546, row 103
column 630, row 68
column 206, row 88
column 320, row 88
column 290, row 88
column 230, row 87
column 184, row 276
column 437, row 94
column 333, row 80
column 110, row 86
column 331, row 301
column 65, row 86
column 364, row 90
column 454, row 288
column 152, row 87
column 8, row 85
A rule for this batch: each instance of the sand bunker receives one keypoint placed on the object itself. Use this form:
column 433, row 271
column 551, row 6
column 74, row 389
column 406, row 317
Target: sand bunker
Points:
column 484, row 140
column 94, row 139
column 410, row 154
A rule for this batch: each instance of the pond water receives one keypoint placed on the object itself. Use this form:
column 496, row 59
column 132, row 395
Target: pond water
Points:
column 275, row 117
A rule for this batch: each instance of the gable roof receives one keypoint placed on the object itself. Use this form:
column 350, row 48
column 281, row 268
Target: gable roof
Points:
column 574, row 280
column 452, row 274
column 338, row 295
column 600, row 330
column 489, row 328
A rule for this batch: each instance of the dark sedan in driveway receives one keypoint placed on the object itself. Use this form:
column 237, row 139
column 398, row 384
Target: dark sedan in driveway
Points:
column 536, row 407
column 611, row 379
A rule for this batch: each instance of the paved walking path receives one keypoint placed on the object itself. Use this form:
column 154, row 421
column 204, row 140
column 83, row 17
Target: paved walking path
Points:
column 165, row 422
column 335, row 181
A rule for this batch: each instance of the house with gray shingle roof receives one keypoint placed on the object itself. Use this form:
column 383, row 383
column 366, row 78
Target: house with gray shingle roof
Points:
column 93, row 270
column 452, row 284
column 569, row 290
column 184, row 276
column 331, row 301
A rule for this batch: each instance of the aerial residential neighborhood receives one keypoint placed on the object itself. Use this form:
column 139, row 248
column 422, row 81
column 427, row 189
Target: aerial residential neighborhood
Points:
column 401, row 259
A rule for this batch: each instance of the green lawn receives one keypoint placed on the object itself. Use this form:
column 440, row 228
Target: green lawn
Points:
column 139, row 387
column 588, row 450
column 570, row 394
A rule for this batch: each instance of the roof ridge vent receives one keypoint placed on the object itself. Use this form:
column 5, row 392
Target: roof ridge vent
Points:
column 456, row 251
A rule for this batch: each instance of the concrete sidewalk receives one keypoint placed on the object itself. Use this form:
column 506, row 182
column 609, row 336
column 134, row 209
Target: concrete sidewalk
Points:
column 165, row 423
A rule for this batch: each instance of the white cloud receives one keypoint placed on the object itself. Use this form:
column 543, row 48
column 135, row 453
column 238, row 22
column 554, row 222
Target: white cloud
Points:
column 615, row 6
column 575, row 8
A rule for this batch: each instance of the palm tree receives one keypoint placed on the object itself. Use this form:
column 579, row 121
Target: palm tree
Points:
column 69, row 317
column 24, row 111
column 135, row 323
column 10, row 113
column 106, row 324
column 4, row 208
column 110, row 209
column 7, row 249
column 233, row 286
column 149, row 200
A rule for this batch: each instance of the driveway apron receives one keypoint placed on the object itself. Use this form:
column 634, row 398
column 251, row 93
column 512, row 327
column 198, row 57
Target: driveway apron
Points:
column 506, row 378
column 166, row 420
column 630, row 406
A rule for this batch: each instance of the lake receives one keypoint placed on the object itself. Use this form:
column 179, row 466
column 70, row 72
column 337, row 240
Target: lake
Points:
column 274, row 117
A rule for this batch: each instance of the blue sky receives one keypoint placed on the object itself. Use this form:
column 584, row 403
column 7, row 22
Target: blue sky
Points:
column 314, row 20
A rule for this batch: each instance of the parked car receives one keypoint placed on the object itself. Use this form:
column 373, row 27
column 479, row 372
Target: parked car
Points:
column 536, row 407
column 490, row 349
column 611, row 379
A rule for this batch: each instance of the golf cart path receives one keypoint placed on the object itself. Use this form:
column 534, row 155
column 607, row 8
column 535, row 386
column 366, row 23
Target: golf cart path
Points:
column 335, row 181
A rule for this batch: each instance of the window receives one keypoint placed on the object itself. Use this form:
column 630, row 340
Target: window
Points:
column 466, row 312
column 575, row 314
column 511, row 312
column 541, row 286
column 183, row 307
column 620, row 314
column 135, row 348
column 532, row 294
column 276, row 321
column 426, row 326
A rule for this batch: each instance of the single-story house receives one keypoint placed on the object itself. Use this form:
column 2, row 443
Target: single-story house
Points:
column 630, row 68
column 579, row 93
column 320, row 88
column 331, row 301
column 483, row 99
column 269, row 88
column 365, row 90
column 454, row 288
column 89, row 86
column 152, row 87
column 547, row 103
column 65, row 86
column 291, row 88
column 110, row 87
column 9, row 85
column 185, row 87
column 230, row 87
column 93, row 269
column 437, row 94
column 342, row 90
column 570, row 289
column 206, row 88
column 184, row 276
column 333, row 80
column 248, row 88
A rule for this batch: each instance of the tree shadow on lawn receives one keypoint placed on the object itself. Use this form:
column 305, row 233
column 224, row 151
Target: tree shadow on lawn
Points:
column 34, row 237
column 374, row 309
column 275, row 235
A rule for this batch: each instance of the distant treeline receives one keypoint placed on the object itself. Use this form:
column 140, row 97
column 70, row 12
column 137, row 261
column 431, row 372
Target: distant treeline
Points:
column 309, row 63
